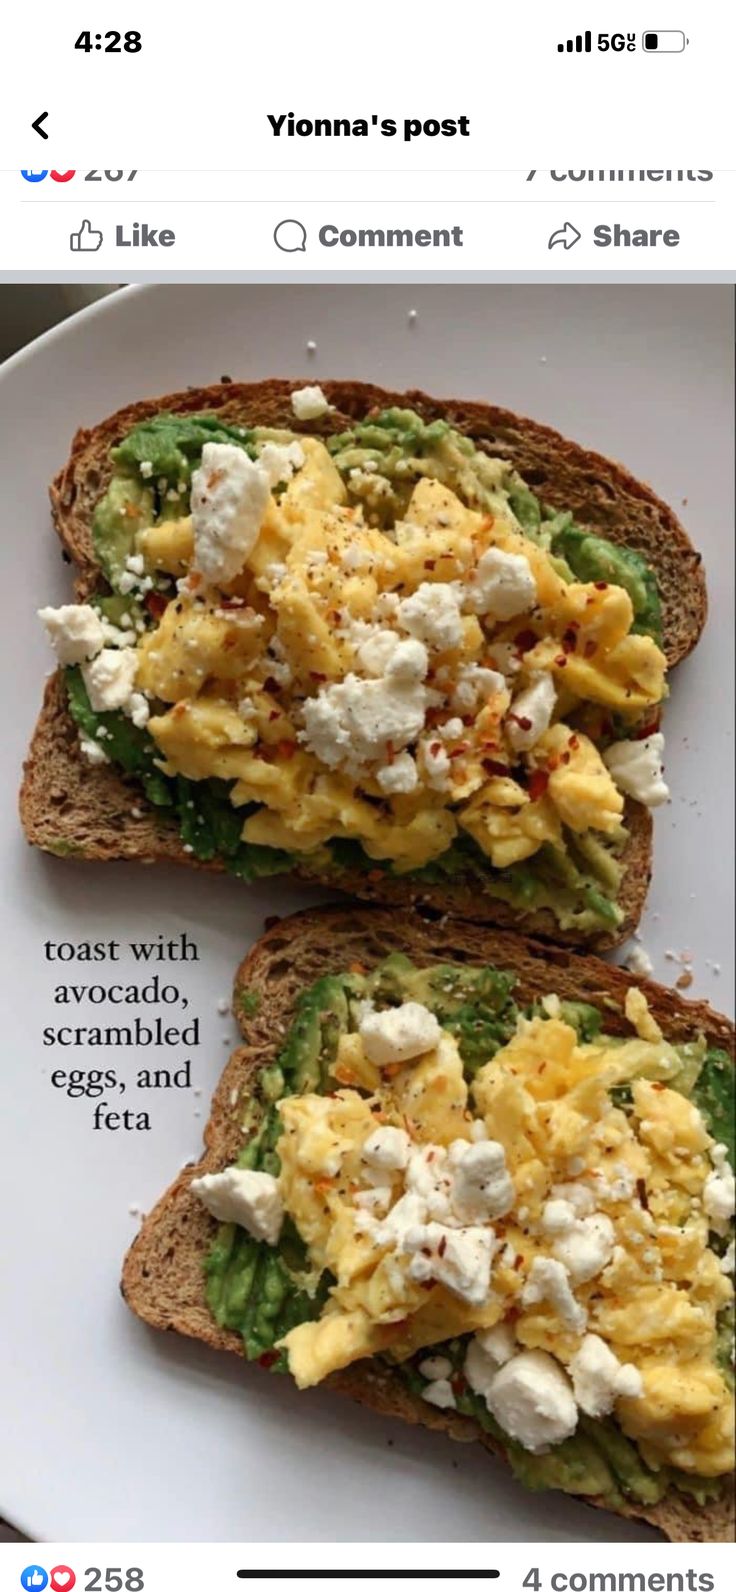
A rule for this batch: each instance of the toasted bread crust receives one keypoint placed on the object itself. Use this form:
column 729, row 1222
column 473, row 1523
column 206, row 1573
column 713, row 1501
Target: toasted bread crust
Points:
column 163, row 1280
column 97, row 815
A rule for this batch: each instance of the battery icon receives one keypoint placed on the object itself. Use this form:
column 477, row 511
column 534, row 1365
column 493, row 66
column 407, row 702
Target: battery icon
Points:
column 664, row 41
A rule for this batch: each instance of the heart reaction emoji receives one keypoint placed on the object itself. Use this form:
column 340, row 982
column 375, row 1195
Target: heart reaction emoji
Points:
column 62, row 176
column 62, row 1578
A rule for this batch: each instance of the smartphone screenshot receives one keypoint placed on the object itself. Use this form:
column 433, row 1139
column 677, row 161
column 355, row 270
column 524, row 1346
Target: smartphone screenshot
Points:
column 367, row 450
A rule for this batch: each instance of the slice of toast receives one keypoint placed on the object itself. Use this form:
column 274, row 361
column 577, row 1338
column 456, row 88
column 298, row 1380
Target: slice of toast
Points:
column 71, row 809
column 163, row 1278
column 95, row 814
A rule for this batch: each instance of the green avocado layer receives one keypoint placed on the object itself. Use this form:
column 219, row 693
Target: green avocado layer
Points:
column 259, row 1291
column 380, row 460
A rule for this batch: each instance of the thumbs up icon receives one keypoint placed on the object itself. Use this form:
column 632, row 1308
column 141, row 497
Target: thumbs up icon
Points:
column 34, row 1577
column 87, row 239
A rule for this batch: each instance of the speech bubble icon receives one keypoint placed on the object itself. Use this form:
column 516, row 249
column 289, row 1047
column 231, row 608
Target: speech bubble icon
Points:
column 290, row 236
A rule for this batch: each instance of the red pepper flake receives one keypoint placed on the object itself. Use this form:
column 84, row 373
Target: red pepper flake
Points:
column 538, row 784
column 268, row 1359
column 641, row 1189
column 646, row 729
column 314, row 676
column 429, row 563
column 601, row 585
column 569, row 640
column 441, row 1247
column 518, row 1262
column 435, row 747
column 156, row 604
column 390, row 753
column 274, row 714
column 286, row 749
column 590, row 649
column 561, row 661
column 525, row 640
column 565, row 758
column 499, row 769
column 523, row 722
column 459, row 751
column 573, row 743
column 458, row 1383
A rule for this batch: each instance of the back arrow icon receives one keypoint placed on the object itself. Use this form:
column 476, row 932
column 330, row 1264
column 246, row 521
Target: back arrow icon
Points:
column 567, row 235
column 37, row 128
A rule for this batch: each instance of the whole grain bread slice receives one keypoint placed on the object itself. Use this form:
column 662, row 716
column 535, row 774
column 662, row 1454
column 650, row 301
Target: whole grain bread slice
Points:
column 602, row 495
column 96, row 814
column 71, row 809
column 163, row 1279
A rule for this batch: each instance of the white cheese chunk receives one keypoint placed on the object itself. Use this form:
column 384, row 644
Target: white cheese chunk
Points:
column 636, row 769
column 251, row 1199
column 501, row 585
column 309, row 403
column 280, row 460
column 109, row 678
column 486, row 1352
column 458, row 1257
column 374, row 652
column 428, row 1176
column 92, row 752
column 435, row 1368
column 719, row 1191
column 530, row 713
column 75, row 630
column 432, row 614
column 399, row 1033
column 229, row 499
column 481, row 1190
column 400, row 777
column 474, row 685
column 599, row 1378
column 558, row 1216
column 439, row 1393
column 386, row 1150
column 532, row 1399
column 548, row 1282
column 352, row 724
column 587, row 1247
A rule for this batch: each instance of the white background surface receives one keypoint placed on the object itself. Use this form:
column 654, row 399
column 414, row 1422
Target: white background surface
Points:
column 111, row 1431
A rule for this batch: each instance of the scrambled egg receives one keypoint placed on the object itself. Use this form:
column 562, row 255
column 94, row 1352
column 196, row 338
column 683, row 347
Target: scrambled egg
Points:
column 391, row 688
column 609, row 1198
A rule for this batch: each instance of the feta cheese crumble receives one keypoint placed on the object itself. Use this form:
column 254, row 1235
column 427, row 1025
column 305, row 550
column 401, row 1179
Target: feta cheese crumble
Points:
column 599, row 1378
column 530, row 713
column 251, row 1199
column 636, row 769
column 75, row 630
column 398, row 1034
column 229, row 499
column 109, row 678
column 309, row 403
column 501, row 585
column 532, row 1399
column 432, row 614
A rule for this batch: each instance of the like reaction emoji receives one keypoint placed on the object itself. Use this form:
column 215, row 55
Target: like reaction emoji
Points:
column 34, row 1578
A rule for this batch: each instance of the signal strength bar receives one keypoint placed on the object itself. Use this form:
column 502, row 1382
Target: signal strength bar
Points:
column 582, row 42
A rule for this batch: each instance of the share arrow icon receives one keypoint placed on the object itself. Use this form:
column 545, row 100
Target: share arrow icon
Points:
column 568, row 236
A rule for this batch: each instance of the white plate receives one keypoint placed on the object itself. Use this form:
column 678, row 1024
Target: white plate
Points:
column 118, row 1433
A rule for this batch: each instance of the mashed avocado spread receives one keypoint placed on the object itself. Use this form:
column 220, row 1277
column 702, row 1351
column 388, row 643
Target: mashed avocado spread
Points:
column 263, row 1292
column 380, row 462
